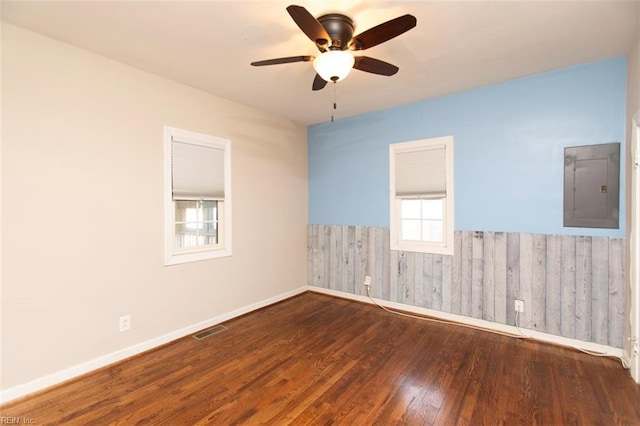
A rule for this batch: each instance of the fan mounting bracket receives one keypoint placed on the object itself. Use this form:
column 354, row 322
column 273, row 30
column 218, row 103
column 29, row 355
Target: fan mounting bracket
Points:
column 340, row 29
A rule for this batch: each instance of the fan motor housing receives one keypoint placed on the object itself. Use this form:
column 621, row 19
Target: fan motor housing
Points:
column 340, row 29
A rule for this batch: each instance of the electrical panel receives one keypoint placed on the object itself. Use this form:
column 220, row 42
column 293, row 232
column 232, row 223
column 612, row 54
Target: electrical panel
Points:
column 591, row 186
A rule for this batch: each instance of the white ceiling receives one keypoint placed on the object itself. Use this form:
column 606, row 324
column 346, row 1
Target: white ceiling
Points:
column 455, row 46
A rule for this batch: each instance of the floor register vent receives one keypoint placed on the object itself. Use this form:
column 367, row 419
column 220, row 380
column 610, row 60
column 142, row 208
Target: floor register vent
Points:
column 209, row 332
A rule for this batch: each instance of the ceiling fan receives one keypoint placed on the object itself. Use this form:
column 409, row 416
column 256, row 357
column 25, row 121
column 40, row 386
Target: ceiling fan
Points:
column 333, row 36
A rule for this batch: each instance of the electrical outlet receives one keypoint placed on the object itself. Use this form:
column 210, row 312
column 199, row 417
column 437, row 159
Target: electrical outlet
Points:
column 519, row 305
column 125, row 323
column 367, row 280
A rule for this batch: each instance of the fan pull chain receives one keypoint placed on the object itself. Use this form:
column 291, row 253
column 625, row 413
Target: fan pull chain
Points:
column 334, row 101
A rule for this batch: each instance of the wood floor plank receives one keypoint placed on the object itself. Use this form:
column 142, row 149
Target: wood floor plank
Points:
column 316, row 359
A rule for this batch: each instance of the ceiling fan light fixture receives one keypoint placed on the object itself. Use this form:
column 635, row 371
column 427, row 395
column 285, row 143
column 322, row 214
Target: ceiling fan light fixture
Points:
column 334, row 65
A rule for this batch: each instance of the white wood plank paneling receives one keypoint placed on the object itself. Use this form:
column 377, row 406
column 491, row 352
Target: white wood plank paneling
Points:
column 310, row 255
column 447, row 274
column 500, row 277
column 477, row 265
column 456, row 274
column 600, row 291
column 466, row 270
column 616, row 292
column 513, row 274
column 427, row 264
column 553, row 306
column 436, row 285
column 572, row 286
column 420, row 286
column 488, row 277
column 538, row 282
column 568, row 291
column 525, row 289
column 583, row 288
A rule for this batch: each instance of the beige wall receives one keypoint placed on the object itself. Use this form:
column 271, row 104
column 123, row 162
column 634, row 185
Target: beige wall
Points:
column 633, row 106
column 82, row 208
column 633, row 80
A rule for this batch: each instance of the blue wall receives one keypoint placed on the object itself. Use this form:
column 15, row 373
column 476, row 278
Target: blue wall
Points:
column 508, row 150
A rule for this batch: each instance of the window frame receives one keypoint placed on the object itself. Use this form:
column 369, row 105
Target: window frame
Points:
column 175, row 256
column 395, row 204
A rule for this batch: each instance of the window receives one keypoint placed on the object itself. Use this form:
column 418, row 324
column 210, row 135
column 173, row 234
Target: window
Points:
column 421, row 200
column 197, row 196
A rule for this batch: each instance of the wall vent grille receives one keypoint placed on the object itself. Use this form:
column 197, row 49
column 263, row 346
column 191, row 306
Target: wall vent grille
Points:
column 209, row 332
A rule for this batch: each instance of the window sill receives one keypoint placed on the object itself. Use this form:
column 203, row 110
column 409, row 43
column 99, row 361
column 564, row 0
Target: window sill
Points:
column 195, row 256
column 422, row 247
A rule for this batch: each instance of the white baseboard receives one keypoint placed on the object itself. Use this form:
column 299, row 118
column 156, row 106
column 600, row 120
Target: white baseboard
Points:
column 488, row 325
column 78, row 370
column 626, row 359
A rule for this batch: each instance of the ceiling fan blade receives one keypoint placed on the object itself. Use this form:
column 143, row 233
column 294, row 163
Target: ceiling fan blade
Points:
column 375, row 66
column 287, row 60
column 309, row 25
column 383, row 32
column 318, row 83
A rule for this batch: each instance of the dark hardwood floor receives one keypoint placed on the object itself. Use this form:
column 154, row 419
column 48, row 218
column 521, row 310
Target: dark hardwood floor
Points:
column 314, row 359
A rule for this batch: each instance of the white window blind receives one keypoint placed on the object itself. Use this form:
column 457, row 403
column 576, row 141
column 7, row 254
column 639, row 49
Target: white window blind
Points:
column 421, row 173
column 197, row 171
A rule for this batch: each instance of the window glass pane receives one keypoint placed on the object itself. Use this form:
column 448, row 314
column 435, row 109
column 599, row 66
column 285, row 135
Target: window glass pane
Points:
column 210, row 210
column 210, row 230
column 432, row 209
column 183, row 228
column 192, row 218
column 410, row 209
column 432, row 230
column 411, row 229
column 185, row 237
column 196, row 224
column 181, row 210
